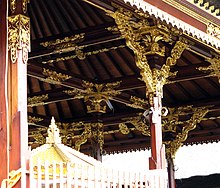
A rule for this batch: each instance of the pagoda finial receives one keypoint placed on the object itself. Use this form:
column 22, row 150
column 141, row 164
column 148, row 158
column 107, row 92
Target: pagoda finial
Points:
column 53, row 133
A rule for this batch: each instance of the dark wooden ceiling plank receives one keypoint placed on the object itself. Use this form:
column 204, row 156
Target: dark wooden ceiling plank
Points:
column 35, row 22
column 91, row 34
column 67, row 11
column 200, row 89
column 51, row 26
column 100, row 4
column 59, row 20
column 86, row 11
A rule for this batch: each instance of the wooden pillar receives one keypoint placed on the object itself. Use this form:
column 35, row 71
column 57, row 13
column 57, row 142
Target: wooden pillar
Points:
column 157, row 159
column 171, row 173
column 18, row 46
column 96, row 150
column 4, row 144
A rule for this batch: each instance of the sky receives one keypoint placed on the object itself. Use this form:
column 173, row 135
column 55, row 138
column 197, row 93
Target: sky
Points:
column 202, row 159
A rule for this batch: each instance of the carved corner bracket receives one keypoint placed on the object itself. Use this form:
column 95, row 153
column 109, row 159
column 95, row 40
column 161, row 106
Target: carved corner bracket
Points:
column 180, row 136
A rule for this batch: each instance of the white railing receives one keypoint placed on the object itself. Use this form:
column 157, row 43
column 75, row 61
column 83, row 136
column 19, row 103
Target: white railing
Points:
column 66, row 175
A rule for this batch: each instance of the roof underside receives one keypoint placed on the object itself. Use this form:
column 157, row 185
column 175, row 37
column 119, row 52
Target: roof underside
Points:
column 99, row 55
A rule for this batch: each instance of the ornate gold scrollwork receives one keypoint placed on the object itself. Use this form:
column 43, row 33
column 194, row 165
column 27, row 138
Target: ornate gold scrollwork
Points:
column 53, row 77
column 81, row 55
column 214, row 68
column 197, row 116
column 95, row 95
column 138, row 103
column 37, row 100
column 66, row 45
column 18, row 36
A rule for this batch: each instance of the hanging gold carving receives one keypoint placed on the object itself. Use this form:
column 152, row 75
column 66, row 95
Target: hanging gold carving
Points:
column 138, row 103
column 91, row 130
column 18, row 37
column 12, row 5
column 37, row 100
column 197, row 115
column 214, row 68
column 145, row 40
column 123, row 128
column 54, row 77
column 95, row 95
column 24, row 5
column 139, row 124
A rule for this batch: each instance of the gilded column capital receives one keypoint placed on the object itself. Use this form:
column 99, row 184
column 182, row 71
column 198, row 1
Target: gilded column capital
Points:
column 18, row 36
column 146, row 38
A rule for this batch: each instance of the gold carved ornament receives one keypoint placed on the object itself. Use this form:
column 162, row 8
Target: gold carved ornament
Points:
column 38, row 136
column 18, row 37
column 83, row 54
column 144, row 40
column 24, row 5
column 53, row 77
column 14, row 177
column 37, row 100
column 91, row 130
column 34, row 120
column 138, row 103
column 95, row 95
column 213, row 30
column 137, row 122
column 66, row 132
column 66, row 45
column 214, row 68
column 197, row 116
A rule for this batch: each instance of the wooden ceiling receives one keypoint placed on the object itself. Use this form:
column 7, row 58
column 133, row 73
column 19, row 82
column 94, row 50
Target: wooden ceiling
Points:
column 76, row 50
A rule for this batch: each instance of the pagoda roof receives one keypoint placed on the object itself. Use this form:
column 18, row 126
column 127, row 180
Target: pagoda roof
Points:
column 53, row 151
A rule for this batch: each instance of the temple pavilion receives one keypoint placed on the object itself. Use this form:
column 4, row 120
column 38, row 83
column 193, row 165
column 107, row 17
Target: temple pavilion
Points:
column 117, row 76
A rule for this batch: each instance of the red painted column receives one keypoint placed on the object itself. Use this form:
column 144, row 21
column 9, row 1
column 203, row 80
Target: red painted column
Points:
column 157, row 159
column 18, row 46
column 4, row 143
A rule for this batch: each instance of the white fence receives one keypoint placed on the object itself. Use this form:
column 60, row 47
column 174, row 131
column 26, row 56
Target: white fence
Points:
column 66, row 175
